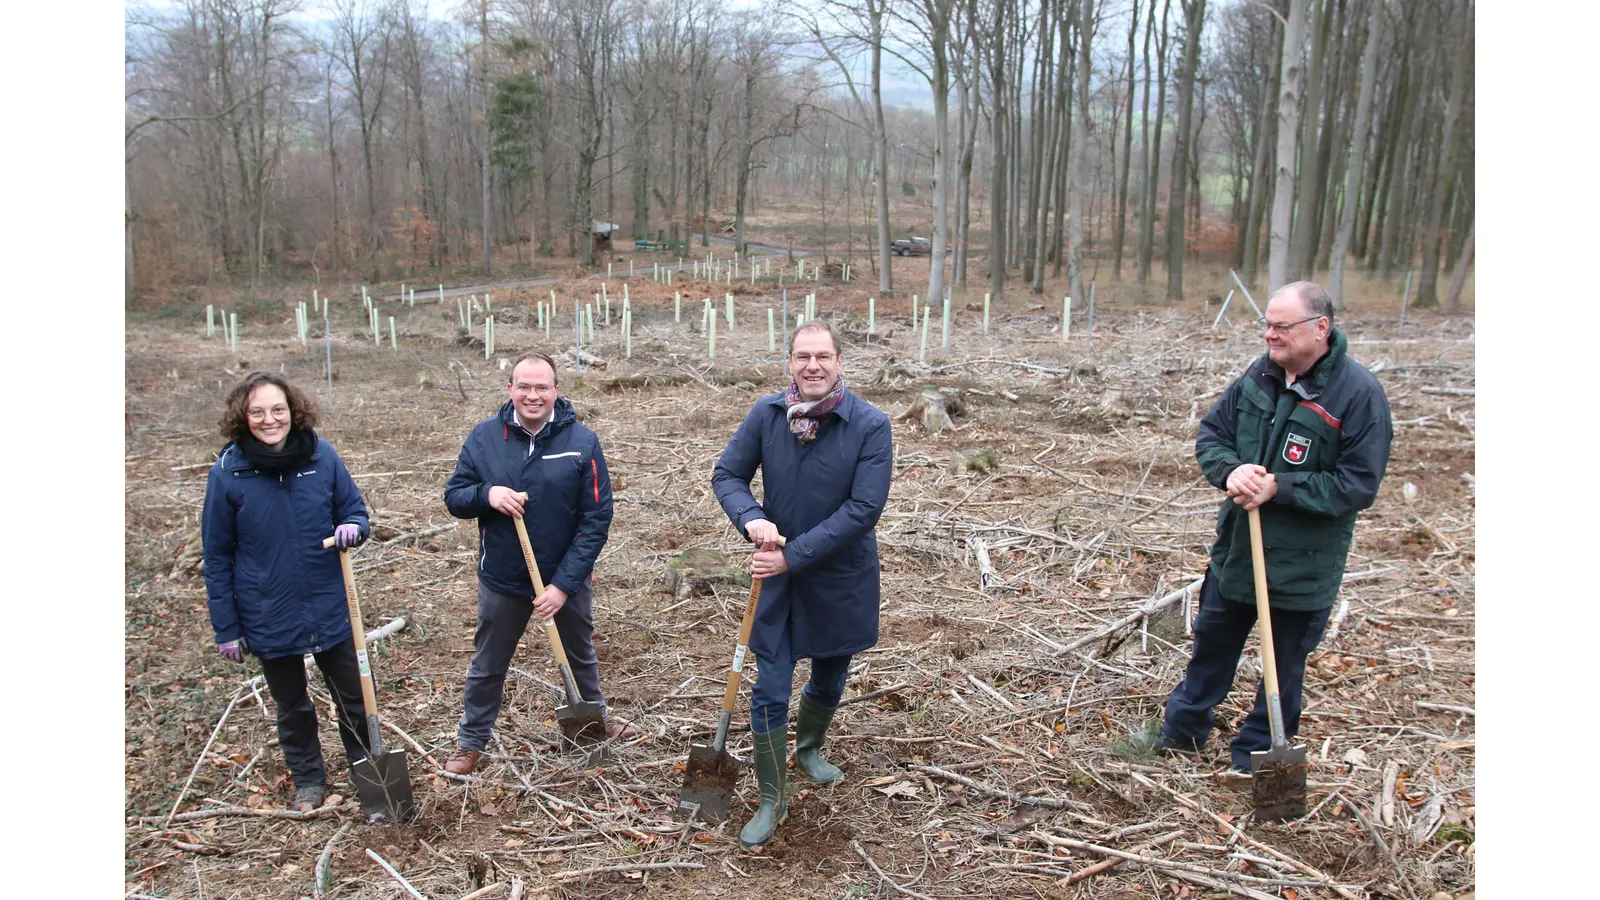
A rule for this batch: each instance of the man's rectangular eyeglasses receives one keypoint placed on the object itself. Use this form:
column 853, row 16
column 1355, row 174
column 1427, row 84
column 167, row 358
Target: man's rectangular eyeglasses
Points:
column 822, row 359
column 1284, row 327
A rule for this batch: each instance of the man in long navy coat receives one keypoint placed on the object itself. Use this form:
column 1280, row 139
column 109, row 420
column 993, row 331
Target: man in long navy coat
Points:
column 826, row 457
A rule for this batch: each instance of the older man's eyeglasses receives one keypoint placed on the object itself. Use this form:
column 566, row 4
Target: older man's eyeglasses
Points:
column 1282, row 327
column 822, row 359
column 260, row 415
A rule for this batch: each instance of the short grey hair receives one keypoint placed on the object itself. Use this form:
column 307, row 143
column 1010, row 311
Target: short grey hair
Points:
column 1317, row 301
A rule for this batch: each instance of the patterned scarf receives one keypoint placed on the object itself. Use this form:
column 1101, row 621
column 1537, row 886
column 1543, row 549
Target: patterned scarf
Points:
column 805, row 414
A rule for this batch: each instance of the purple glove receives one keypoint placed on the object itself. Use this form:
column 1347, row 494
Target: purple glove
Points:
column 233, row 651
column 347, row 536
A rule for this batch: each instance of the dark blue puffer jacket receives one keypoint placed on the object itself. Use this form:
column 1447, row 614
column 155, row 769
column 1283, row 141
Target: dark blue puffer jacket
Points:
column 568, row 513
column 268, row 579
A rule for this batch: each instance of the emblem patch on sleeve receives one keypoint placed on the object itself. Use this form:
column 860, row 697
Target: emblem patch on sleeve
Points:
column 1296, row 449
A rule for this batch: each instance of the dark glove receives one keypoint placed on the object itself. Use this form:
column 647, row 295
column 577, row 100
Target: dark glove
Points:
column 348, row 536
column 233, row 651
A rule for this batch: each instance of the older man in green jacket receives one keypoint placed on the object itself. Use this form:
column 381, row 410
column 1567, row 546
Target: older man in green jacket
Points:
column 1304, row 436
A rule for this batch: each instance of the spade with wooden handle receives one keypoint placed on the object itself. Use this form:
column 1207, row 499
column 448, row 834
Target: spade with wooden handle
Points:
column 582, row 722
column 382, row 780
column 1277, row 775
column 712, row 772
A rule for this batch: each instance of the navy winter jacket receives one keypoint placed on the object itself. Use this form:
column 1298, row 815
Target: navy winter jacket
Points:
column 568, row 513
column 826, row 498
column 268, row 579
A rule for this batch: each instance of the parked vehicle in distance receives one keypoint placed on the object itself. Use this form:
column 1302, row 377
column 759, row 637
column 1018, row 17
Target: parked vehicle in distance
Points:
column 911, row 247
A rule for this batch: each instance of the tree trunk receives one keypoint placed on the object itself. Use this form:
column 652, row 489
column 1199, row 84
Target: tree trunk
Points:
column 1288, row 130
column 1260, row 167
column 1427, row 289
column 1358, row 151
column 1194, row 16
column 1003, row 153
column 1119, row 225
column 1302, row 244
column 1076, row 153
column 1147, row 224
column 880, row 151
column 1452, row 303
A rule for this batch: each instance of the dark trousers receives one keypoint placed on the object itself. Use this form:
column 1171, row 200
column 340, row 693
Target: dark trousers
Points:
column 297, row 714
column 769, row 696
column 1219, row 635
column 502, row 620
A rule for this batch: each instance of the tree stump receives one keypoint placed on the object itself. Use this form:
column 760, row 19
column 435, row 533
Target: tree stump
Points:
column 699, row 572
column 974, row 459
column 933, row 409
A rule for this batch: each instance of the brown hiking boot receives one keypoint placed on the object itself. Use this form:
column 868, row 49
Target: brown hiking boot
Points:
column 463, row 762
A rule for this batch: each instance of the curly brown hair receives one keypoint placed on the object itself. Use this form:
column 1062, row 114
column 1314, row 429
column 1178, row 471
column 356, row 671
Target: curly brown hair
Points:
column 235, row 421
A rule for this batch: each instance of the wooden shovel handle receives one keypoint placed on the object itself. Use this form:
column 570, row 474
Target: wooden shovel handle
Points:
column 550, row 631
column 1258, row 560
column 736, row 671
column 352, row 598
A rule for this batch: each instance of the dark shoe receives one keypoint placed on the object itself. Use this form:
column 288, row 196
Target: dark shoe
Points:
column 310, row 797
column 810, row 730
column 773, row 785
column 463, row 762
column 1165, row 744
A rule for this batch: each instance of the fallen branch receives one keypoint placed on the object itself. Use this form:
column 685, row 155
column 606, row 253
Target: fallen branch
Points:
column 872, row 695
column 626, row 867
column 856, row 846
column 237, row 696
column 484, row 891
column 980, row 787
column 1149, row 609
column 324, row 869
column 218, row 811
column 1240, row 835
column 396, row 875
column 1106, row 865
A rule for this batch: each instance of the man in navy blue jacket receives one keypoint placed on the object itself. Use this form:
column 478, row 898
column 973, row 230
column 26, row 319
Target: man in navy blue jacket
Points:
column 826, row 457
column 534, row 444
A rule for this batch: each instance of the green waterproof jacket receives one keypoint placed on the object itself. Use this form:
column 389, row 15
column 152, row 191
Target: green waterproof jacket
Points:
column 1326, row 439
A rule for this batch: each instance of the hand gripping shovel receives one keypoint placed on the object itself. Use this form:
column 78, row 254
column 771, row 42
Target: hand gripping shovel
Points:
column 583, row 723
column 382, row 780
column 1278, row 775
column 712, row 772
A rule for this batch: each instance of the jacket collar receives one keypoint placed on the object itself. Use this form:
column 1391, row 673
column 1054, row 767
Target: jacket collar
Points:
column 231, row 458
column 565, row 414
column 843, row 410
column 1315, row 378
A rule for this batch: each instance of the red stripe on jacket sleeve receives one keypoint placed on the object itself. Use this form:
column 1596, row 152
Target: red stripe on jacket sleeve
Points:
column 594, row 470
column 1326, row 416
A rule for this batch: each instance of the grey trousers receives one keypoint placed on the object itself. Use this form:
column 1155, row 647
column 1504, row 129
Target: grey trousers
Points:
column 502, row 620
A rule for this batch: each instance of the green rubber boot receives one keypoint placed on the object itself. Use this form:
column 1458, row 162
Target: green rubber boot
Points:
column 810, row 729
column 774, row 807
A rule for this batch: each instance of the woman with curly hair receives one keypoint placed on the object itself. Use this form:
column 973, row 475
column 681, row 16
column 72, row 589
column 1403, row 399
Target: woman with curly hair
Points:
column 274, row 494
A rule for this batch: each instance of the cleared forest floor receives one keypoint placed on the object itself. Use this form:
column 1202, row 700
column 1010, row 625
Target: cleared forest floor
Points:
column 999, row 755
